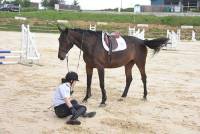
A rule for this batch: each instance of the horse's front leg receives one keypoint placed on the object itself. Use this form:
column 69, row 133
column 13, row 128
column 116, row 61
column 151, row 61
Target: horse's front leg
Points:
column 103, row 91
column 89, row 71
column 128, row 72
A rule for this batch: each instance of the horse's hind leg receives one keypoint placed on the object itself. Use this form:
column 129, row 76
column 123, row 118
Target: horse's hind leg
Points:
column 101, row 80
column 141, row 66
column 89, row 71
column 128, row 72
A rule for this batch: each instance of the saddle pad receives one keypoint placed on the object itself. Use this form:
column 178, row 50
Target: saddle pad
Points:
column 121, row 44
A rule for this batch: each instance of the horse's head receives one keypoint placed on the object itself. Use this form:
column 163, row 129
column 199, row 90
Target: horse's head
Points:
column 64, row 43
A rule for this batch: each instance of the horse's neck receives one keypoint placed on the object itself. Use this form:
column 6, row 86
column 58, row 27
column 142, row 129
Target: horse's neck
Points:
column 83, row 41
column 79, row 40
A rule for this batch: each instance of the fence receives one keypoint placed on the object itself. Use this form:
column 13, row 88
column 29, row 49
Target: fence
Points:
column 136, row 33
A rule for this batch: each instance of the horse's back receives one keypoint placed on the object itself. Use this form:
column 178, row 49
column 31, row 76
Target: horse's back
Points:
column 137, row 46
column 131, row 40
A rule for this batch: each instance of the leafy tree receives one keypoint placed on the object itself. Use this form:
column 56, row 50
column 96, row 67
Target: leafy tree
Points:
column 17, row 2
column 52, row 3
column 23, row 3
column 45, row 3
column 26, row 3
column 75, row 3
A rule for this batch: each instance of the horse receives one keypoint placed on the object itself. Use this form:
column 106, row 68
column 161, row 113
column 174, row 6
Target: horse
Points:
column 95, row 56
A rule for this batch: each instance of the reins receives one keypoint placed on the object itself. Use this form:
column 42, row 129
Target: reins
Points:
column 67, row 62
column 67, row 56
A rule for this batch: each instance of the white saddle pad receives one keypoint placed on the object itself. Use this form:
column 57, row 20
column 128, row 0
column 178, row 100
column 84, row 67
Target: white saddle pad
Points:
column 121, row 44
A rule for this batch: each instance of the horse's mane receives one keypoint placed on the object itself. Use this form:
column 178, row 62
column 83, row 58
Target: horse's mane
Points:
column 85, row 31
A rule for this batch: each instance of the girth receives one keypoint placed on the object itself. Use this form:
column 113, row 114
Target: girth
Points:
column 111, row 42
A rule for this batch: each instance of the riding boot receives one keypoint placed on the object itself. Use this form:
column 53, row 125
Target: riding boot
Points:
column 89, row 114
column 79, row 112
column 73, row 122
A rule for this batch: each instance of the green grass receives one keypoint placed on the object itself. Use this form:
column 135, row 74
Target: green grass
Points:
column 45, row 21
column 179, row 20
column 52, row 15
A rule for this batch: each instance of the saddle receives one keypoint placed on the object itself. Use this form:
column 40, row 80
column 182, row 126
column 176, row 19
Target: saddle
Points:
column 111, row 41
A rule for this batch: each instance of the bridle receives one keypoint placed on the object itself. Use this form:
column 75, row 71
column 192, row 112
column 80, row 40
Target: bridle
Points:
column 67, row 56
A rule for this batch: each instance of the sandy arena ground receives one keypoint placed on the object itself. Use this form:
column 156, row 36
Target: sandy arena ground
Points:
column 173, row 105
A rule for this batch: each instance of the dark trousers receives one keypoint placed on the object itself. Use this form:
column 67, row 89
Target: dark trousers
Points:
column 63, row 111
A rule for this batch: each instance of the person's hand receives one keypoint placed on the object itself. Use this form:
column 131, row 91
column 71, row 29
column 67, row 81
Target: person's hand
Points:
column 73, row 111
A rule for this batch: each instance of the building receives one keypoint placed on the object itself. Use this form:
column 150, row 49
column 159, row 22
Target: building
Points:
column 157, row 2
column 185, row 5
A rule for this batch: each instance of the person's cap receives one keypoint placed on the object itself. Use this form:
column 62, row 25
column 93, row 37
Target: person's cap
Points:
column 71, row 76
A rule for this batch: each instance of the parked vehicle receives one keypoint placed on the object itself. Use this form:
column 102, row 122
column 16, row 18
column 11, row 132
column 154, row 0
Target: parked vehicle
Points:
column 9, row 7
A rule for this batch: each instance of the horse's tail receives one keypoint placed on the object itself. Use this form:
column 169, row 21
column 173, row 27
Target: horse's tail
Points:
column 156, row 44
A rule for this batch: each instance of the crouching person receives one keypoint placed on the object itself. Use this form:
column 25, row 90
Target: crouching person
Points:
column 64, row 105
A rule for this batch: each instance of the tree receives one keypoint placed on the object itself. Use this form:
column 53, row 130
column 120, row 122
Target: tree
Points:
column 23, row 3
column 75, row 3
column 26, row 3
column 52, row 3
column 45, row 3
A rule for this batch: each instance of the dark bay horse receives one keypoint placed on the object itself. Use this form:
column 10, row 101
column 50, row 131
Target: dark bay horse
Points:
column 95, row 56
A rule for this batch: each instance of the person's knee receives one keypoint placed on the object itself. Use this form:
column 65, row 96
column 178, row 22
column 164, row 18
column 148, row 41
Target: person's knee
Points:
column 74, row 102
column 84, row 108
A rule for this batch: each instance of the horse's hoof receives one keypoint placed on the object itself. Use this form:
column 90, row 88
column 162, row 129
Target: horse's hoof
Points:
column 144, row 98
column 121, row 99
column 123, row 96
column 102, row 105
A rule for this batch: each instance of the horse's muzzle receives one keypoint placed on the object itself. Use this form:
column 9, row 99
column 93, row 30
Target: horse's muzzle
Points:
column 61, row 57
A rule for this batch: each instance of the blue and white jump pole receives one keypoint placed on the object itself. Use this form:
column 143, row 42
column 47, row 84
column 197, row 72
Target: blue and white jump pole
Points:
column 28, row 50
column 9, row 56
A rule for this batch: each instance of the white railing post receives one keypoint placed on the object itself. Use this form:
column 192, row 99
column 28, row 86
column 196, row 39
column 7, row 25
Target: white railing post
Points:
column 131, row 31
column 193, row 36
column 179, row 34
column 137, row 33
column 92, row 27
column 174, row 38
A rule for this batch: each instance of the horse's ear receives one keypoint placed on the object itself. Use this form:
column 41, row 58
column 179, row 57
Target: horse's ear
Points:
column 59, row 28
